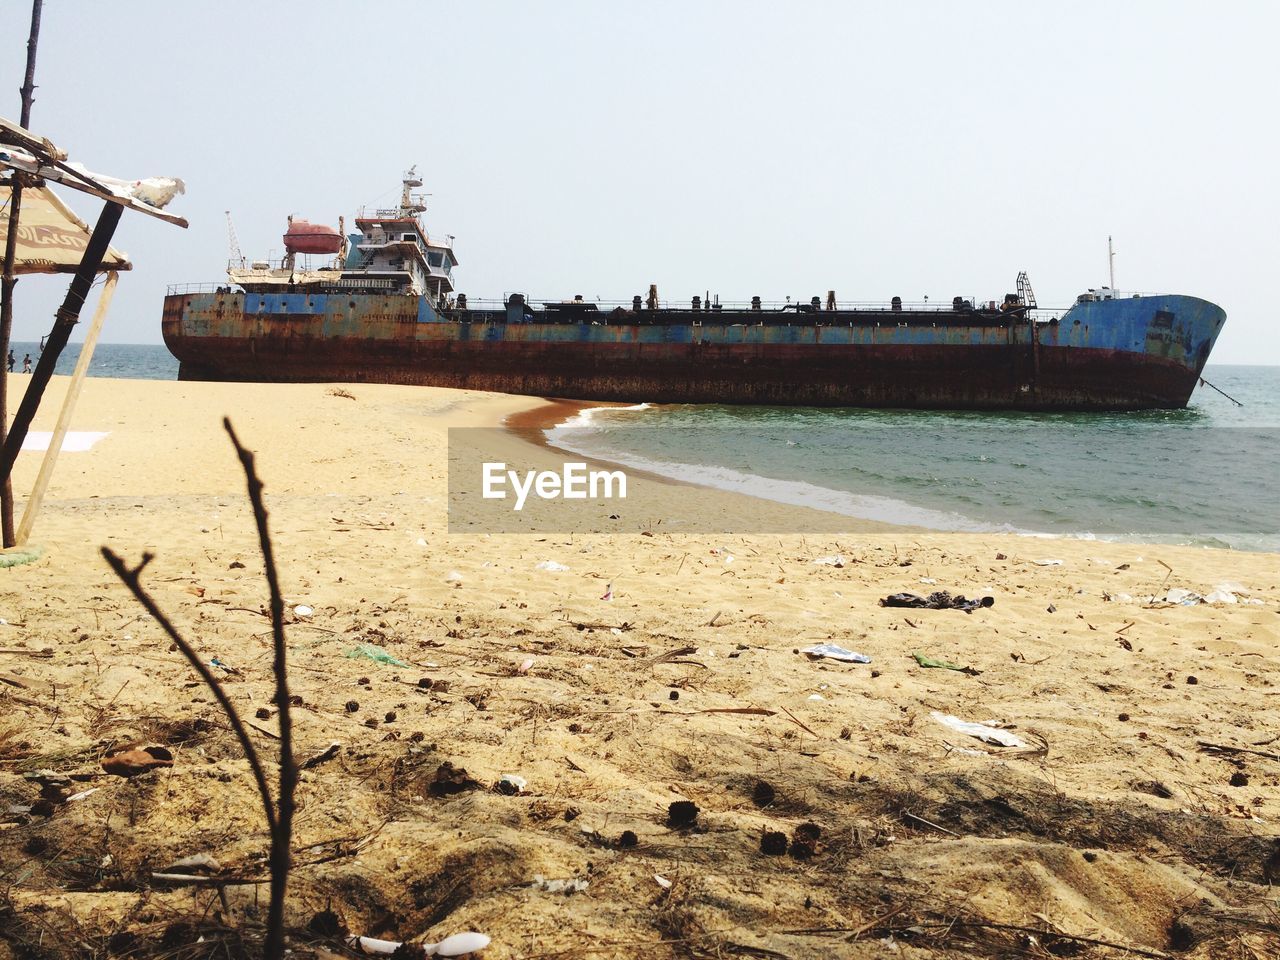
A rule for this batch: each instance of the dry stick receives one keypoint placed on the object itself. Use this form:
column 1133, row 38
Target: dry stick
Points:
column 279, row 860
column 928, row 823
column 1224, row 748
column 797, row 722
column 132, row 580
column 1017, row 928
column 279, row 819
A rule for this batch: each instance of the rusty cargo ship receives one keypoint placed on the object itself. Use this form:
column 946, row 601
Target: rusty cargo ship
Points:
column 383, row 309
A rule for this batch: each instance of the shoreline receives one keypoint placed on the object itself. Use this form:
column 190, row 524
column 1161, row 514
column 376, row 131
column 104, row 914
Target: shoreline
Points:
column 524, row 418
column 531, row 424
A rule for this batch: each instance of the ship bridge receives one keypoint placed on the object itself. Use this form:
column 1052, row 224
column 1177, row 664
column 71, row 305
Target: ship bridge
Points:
column 392, row 246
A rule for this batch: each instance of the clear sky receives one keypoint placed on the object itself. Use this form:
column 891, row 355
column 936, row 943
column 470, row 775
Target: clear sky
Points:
column 741, row 147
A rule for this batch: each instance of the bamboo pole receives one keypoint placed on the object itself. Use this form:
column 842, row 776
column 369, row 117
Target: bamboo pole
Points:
column 68, row 407
column 7, row 283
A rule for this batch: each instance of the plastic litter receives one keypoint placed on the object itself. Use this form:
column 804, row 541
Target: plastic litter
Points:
column 833, row 652
column 608, row 592
column 302, row 610
column 1047, row 563
column 836, row 560
column 663, row 882
column 1177, row 596
column 944, row 665
column 987, row 734
column 457, row 945
column 567, row 887
column 453, row 577
column 940, row 600
column 510, row 784
column 551, row 565
column 370, row 651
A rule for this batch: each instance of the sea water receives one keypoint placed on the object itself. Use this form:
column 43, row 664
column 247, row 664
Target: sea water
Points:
column 1208, row 474
column 124, row 361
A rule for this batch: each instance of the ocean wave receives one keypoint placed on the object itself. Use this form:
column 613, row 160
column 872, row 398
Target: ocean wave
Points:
column 576, row 435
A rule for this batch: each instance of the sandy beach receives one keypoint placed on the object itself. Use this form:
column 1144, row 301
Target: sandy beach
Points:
column 1138, row 814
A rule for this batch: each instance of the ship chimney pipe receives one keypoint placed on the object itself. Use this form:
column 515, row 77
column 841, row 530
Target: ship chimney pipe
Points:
column 697, row 303
column 755, row 303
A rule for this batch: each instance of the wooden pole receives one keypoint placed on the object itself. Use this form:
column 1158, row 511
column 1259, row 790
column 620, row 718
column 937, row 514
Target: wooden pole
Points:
column 68, row 407
column 8, row 280
column 7, row 283
column 66, row 318
column 29, row 83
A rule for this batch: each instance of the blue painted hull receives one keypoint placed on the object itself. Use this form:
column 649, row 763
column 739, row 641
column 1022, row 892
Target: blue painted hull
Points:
column 1122, row 354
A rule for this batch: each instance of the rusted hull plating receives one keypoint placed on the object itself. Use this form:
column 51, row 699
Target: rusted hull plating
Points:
column 1111, row 355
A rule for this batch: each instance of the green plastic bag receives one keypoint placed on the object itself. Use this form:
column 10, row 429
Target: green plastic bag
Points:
column 375, row 653
column 943, row 665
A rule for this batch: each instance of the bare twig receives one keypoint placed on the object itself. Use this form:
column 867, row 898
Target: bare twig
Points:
column 1224, row 748
column 133, row 580
column 280, row 813
column 279, row 860
column 928, row 823
column 797, row 722
column 1057, row 935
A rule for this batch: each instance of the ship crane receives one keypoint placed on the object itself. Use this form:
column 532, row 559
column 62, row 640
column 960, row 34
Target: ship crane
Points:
column 233, row 244
column 1025, row 293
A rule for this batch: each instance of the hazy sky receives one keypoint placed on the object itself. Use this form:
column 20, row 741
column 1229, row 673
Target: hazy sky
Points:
column 781, row 148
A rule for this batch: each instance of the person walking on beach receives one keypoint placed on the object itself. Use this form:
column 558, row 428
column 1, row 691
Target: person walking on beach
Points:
column 11, row 361
column 26, row 363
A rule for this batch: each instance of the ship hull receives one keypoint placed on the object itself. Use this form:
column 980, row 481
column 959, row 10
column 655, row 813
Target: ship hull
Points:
column 1138, row 353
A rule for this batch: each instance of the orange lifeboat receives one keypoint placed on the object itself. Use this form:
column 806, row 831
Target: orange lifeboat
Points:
column 306, row 237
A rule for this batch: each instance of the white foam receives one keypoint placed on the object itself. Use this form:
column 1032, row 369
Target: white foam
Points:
column 571, row 437
column 583, row 418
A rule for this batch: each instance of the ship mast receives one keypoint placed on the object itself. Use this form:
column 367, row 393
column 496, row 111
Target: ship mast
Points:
column 409, row 204
column 1111, row 260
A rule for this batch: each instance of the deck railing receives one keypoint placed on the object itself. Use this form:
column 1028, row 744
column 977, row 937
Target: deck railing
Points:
column 1041, row 314
column 605, row 307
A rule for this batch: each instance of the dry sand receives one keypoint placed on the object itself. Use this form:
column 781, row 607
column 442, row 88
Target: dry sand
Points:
column 1116, row 824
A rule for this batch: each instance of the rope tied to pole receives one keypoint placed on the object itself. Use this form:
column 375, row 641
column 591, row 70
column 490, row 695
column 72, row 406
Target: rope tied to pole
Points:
column 1206, row 383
